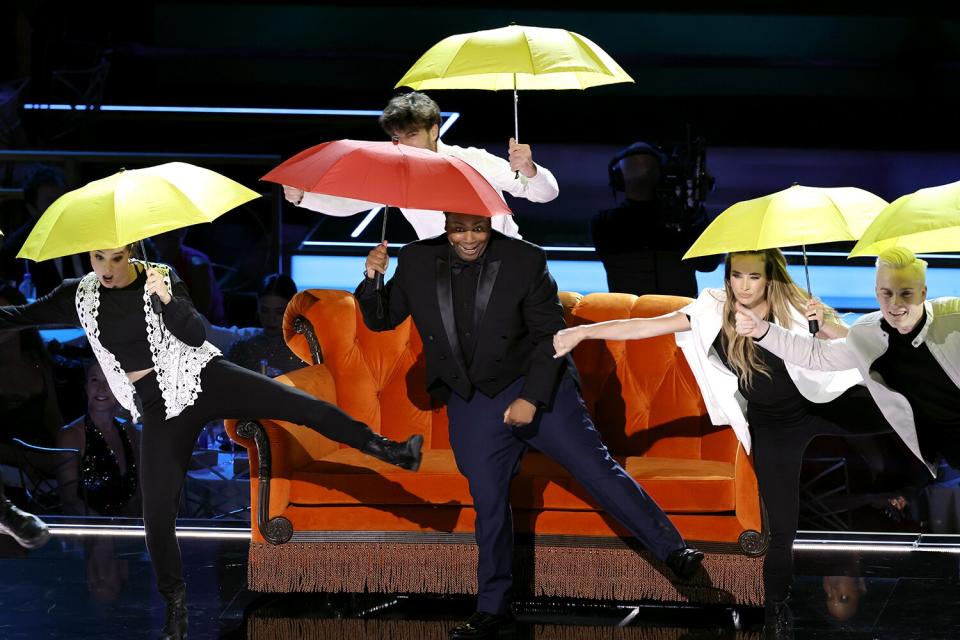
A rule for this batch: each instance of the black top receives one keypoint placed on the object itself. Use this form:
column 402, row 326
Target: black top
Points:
column 773, row 395
column 465, row 276
column 104, row 487
column 516, row 312
column 121, row 318
column 914, row 372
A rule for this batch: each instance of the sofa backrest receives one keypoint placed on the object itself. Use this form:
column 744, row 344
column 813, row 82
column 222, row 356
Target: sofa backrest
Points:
column 641, row 393
column 380, row 377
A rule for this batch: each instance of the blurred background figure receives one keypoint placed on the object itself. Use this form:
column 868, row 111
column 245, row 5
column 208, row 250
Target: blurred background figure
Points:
column 102, row 479
column 265, row 350
column 194, row 268
column 641, row 242
column 40, row 189
column 28, row 397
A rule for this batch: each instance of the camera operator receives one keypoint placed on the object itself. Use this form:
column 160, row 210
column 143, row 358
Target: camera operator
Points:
column 642, row 241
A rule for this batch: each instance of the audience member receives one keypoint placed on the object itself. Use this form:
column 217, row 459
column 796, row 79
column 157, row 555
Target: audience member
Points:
column 40, row 190
column 195, row 270
column 102, row 480
column 28, row 398
column 265, row 350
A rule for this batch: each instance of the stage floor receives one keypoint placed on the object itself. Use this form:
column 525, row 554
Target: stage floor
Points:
column 82, row 585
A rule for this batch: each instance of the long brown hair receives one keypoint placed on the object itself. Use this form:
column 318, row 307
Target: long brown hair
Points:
column 782, row 295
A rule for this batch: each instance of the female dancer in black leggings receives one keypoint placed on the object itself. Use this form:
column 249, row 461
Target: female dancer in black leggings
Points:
column 182, row 382
column 786, row 406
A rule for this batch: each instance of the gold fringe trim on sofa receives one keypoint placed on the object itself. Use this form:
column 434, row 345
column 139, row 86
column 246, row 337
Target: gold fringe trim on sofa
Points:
column 311, row 628
column 568, row 572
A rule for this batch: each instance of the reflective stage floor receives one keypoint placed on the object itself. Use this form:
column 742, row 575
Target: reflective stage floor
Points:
column 101, row 586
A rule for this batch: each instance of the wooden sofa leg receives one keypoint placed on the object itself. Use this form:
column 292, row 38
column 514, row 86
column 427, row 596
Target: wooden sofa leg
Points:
column 274, row 530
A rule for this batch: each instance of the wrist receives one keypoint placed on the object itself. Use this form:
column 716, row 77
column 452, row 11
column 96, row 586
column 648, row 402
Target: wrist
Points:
column 766, row 329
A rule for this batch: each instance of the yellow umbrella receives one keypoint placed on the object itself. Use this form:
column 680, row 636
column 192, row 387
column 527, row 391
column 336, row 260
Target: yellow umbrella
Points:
column 925, row 221
column 795, row 216
column 514, row 57
column 130, row 206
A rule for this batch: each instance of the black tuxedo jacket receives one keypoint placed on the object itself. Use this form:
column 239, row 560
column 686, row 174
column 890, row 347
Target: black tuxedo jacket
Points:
column 517, row 313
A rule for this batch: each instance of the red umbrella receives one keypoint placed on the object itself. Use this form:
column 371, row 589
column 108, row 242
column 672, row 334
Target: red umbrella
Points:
column 392, row 174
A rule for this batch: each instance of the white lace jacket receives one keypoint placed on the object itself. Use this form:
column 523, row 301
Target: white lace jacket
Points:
column 177, row 365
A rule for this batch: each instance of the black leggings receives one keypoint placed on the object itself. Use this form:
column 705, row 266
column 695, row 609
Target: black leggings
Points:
column 778, row 448
column 228, row 391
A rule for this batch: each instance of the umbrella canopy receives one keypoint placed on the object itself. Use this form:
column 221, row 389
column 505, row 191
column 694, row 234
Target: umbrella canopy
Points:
column 514, row 57
column 130, row 206
column 925, row 221
column 795, row 216
column 392, row 174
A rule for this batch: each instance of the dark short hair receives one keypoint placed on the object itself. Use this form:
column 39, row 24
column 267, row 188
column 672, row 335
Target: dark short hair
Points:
column 407, row 111
column 42, row 175
column 278, row 284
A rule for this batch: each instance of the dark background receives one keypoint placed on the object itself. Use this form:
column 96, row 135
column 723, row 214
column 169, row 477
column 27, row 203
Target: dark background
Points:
column 826, row 94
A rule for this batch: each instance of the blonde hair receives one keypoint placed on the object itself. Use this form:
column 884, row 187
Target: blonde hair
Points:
column 902, row 258
column 782, row 295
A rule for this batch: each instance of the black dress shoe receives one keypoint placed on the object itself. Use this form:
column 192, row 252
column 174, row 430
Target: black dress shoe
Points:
column 480, row 625
column 684, row 562
column 405, row 455
column 778, row 620
column 27, row 529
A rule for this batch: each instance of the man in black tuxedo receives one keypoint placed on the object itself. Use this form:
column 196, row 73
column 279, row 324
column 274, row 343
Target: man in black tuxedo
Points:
column 486, row 308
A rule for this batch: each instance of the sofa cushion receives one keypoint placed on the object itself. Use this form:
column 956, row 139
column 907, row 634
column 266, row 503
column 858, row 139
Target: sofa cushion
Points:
column 347, row 476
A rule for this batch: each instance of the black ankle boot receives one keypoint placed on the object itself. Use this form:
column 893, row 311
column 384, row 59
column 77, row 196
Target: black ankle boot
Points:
column 778, row 620
column 403, row 454
column 175, row 628
column 27, row 529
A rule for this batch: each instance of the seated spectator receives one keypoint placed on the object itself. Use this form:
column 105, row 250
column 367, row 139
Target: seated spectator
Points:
column 40, row 190
column 266, row 351
column 103, row 479
column 28, row 398
column 194, row 268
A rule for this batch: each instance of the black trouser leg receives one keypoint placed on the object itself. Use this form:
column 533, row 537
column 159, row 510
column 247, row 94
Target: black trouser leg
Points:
column 779, row 446
column 227, row 391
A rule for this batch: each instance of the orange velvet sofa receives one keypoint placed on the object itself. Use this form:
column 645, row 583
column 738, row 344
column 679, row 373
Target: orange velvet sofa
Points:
column 328, row 518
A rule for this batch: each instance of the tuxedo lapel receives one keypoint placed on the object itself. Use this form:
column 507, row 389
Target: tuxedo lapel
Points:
column 445, row 300
column 488, row 278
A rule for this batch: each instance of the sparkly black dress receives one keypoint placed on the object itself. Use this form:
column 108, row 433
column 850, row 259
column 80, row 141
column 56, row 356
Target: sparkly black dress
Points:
column 102, row 486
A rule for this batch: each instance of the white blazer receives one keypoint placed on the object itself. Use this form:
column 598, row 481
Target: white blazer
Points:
column 719, row 385
column 866, row 342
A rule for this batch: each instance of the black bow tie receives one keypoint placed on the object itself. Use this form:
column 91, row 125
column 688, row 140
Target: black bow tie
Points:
column 457, row 265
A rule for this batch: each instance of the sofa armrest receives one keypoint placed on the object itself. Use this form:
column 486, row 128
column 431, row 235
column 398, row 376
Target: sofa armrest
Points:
column 755, row 537
column 278, row 448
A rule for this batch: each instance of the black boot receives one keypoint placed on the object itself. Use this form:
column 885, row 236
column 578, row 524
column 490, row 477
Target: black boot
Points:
column 175, row 628
column 403, row 454
column 778, row 620
column 27, row 529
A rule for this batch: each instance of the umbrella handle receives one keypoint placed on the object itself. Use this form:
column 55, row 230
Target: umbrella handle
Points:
column 155, row 302
column 812, row 325
column 516, row 120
